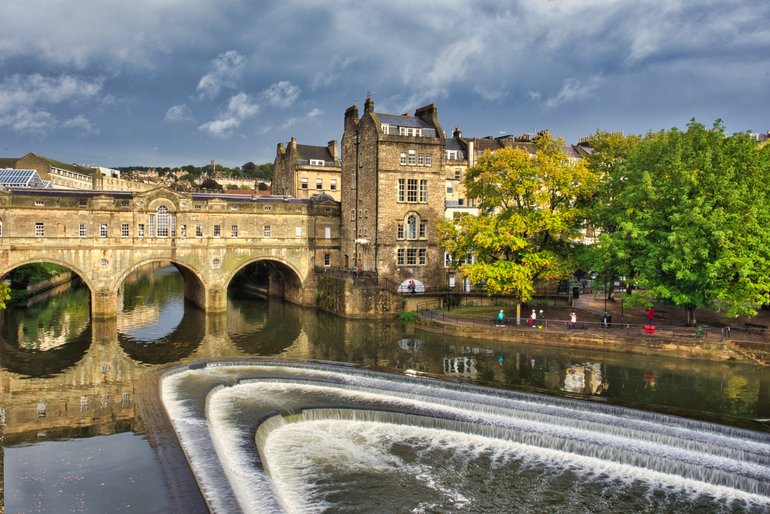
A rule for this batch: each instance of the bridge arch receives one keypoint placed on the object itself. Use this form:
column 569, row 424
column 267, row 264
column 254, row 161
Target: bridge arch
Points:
column 284, row 279
column 194, row 285
column 47, row 259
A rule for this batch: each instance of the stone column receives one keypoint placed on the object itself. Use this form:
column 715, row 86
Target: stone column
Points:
column 104, row 304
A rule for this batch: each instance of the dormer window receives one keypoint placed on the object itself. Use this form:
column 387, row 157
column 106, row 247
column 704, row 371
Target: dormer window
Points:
column 452, row 155
column 409, row 131
column 316, row 162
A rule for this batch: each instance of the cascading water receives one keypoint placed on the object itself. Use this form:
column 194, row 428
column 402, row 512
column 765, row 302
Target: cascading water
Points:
column 303, row 437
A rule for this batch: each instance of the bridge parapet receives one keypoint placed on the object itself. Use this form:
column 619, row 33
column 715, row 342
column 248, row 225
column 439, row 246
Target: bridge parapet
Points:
column 104, row 236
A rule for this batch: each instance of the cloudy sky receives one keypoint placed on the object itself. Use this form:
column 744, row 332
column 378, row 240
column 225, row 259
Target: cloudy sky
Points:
column 173, row 82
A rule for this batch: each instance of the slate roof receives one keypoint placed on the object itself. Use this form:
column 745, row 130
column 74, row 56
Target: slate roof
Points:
column 83, row 170
column 8, row 162
column 403, row 121
column 320, row 153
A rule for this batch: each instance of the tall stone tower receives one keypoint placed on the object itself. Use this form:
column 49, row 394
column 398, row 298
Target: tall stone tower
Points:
column 393, row 193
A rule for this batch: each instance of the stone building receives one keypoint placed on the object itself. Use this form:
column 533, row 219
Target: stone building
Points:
column 302, row 171
column 393, row 185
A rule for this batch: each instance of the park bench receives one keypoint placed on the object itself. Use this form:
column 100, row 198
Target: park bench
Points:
column 755, row 328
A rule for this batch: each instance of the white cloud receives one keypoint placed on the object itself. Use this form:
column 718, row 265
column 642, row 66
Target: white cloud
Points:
column 81, row 124
column 179, row 112
column 23, row 97
column 573, row 89
column 226, row 71
column 239, row 108
column 29, row 122
column 282, row 94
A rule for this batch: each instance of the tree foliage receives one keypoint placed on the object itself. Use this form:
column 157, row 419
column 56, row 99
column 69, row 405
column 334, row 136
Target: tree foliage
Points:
column 530, row 216
column 685, row 214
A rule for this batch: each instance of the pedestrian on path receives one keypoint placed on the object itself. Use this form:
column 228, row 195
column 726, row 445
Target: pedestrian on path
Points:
column 540, row 318
column 533, row 319
column 501, row 318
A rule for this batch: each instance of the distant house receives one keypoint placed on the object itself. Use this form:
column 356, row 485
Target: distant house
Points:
column 303, row 171
column 61, row 175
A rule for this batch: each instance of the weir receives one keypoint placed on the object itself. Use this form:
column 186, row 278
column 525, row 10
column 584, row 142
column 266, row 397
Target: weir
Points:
column 295, row 436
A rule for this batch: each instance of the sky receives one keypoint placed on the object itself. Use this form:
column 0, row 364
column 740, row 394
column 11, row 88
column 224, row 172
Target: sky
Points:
column 172, row 82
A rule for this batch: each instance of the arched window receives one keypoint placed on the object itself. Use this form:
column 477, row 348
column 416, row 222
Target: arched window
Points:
column 162, row 221
column 411, row 227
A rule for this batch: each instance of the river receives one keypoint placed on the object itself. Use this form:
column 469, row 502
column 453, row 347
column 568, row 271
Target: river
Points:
column 73, row 442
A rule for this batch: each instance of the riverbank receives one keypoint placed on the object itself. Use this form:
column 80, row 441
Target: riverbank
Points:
column 623, row 330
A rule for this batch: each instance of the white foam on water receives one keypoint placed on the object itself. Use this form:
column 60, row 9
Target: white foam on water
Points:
column 595, row 442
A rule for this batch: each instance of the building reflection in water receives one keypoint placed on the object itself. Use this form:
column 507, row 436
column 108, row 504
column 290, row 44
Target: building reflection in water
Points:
column 586, row 378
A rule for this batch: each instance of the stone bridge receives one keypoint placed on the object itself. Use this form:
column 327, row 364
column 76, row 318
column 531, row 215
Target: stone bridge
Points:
column 104, row 236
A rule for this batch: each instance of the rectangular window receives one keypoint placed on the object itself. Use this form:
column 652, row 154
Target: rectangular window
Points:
column 39, row 229
column 103, row 230
column 428, row 159
column 83, row 231
column 39, row 203
column 422, row 256
column 234, row 231
column 328, row 232
column 423, row 229
column 198, row 206
column 352, row 215
column 183, row 230
column 402, row 159
column 333, row 184
column 198, row 231
column 266, row 231
column 303, row 183
column 124, row 230
column 412, row 157
column 424, row 191
column 449, row 187
column 421, row 159
column 400, row 257
column 411, row 256
column 411, row 190
column 458, row 173
column 319, row 183
column 140, row 230
column 298, row 232
column 401, row 190
column 327, row 259
column 460, row 202
column 217, row 230
column 399, row 231
column 152, row 225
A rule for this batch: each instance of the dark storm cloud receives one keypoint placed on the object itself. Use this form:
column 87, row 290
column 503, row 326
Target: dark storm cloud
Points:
column 173, row 82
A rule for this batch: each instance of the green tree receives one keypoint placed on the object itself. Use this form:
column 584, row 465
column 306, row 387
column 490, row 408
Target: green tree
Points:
column 529, row 220
column 5, row 293
column 690, row 221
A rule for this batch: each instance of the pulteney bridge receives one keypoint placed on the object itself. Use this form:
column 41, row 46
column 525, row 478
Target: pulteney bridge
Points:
column 103, row 236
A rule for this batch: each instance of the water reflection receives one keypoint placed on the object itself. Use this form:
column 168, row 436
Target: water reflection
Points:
column 64, row 375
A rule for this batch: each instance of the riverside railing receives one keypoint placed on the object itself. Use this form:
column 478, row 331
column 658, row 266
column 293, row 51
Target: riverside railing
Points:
column 653, row 333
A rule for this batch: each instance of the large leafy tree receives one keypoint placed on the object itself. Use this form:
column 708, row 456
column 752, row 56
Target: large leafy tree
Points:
column 529, row 218
column 690, row 222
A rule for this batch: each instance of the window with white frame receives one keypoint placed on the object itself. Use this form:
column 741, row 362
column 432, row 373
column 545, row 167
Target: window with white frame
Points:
column 103, row 230
column 423, row 191
column 198, row 230
column 327, row 232
column 420, row 159
column 333, row 184
column 412, row 157
column 402, row 159
column 83, row 230
column 458, row 173
column 449, row 187
column 411, row 256
column 162, row 217
column 316, row 162
column 411, row 190
column 234, row 231
column 399, row 230
column 217, row 230
column 140, row 230
column 400, row 253
column 428, row 159
column 39, row 203
column 298, row 232
column 319, row 183
column 303, row 183
column 422, row 256
column 423, row 234
column 183, row 230
column 124, row 230
column 411, row 226
column 401, row 190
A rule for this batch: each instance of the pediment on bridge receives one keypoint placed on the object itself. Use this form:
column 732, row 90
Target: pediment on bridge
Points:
column 152, row 197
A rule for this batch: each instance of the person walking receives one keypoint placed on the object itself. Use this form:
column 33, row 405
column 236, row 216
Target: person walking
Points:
column 533, row 319
column 501, row 318
column 540, row 318
column 572, row 320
